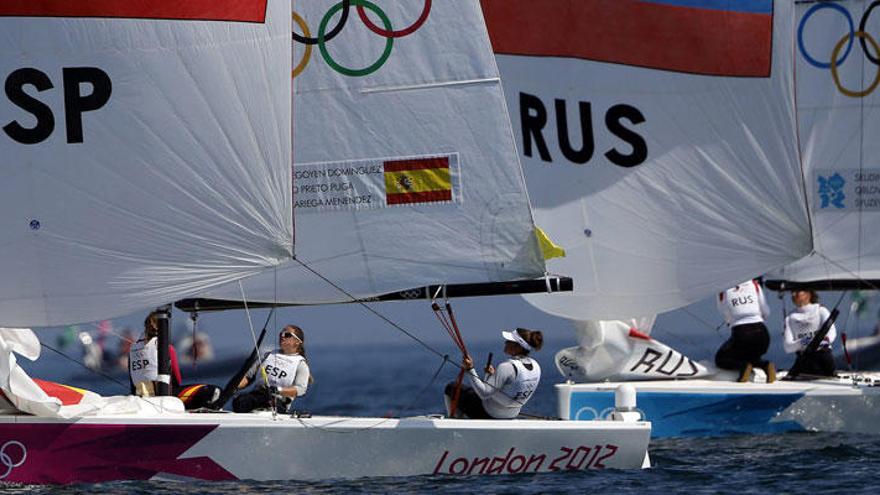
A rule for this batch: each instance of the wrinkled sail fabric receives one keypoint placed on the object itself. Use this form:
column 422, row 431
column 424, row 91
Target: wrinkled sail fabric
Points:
column 658, row 143
column 620, row 351
column 405, row 166
column 839, row 117
column 145, row 152
column 21, row 393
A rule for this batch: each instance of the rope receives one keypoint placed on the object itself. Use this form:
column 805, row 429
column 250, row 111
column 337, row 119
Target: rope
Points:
column 262, row 368
column 123, row 385
column 393, row 324
column 451, row 325
column 371, row 310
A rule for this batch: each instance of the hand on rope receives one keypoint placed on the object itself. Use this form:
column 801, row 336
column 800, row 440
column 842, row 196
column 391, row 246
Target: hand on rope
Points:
column 467, row 363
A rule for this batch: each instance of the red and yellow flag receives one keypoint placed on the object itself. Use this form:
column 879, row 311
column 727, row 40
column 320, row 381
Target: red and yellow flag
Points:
column 417, row 180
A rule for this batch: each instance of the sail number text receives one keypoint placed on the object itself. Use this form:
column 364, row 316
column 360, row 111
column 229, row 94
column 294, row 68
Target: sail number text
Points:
column 85, row 89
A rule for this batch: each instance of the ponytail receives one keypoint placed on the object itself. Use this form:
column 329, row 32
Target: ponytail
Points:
column 533, row 337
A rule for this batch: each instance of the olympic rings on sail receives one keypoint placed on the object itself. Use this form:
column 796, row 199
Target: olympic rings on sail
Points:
column 308, row 40
column 395, row 34
column 848, row 92
column 836, row 57
column 304, row 61
column 386, row 31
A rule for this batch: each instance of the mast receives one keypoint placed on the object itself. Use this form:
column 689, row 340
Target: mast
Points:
column 163, row 385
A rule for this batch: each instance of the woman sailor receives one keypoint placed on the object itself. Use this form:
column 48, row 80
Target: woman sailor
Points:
column 801, row 325
column 143, row 360
column 286, row 375
column 744, row 308
column 503, row 392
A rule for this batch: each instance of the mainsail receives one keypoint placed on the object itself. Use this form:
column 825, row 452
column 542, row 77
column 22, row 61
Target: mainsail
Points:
column 658, row 142
column 145, row 150
column 838, row 58
column 404, row 164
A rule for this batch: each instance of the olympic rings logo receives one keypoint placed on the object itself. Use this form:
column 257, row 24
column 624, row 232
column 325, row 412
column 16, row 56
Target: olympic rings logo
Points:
column 847, row 40
column 325, row 35
column 6, row 456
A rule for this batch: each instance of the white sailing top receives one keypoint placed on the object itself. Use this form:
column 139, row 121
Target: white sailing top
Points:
column 143, row 361
column 505, row 392
column 743, row 303
column 802, row 324
column 283, row 370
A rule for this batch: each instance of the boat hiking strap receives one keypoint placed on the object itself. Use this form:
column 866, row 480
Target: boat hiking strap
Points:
column 447, row 320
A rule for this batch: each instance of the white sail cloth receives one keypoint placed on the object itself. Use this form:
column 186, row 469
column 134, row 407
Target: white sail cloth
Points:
column 658, row 143
column 619, row 351
column 839, row 118
column 25, row 395
column 405, row 167
column 145, row 151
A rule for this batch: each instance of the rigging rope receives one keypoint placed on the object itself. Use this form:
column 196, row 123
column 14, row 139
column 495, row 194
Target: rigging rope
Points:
column 262, row 367
column 395, row 325
column 123, row 385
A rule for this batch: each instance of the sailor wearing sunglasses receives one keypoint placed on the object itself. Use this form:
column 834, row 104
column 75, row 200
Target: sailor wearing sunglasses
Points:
column 284, row 376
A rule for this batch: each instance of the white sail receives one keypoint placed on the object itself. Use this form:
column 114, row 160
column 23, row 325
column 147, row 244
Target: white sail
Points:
column 658, row 143
column 839, row 118
column 145, row 152
column 405, row 166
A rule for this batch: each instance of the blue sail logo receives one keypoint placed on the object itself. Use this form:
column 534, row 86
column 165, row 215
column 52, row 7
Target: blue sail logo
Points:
column 831, row 191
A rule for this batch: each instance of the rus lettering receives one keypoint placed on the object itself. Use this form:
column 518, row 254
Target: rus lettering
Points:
column 534, row 118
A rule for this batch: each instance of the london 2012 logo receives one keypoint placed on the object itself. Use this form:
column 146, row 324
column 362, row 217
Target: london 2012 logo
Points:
column 326, row 35
column 844, row 45
column 831, row 191
column 12, row 454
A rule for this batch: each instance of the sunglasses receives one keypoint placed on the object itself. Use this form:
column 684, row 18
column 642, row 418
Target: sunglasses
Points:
column 287, row 335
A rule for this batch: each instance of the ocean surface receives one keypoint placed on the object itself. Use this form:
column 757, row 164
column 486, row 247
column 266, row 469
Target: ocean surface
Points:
column 399, row 379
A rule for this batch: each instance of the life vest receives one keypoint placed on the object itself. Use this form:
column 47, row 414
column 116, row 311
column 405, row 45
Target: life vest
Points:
column 742, row 304
column 281, row 369
column 805, row 322
column 143, row 361
column 522, row 388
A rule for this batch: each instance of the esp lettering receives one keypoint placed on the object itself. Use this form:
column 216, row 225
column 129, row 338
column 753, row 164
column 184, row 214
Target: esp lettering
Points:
column 534, row 117
column 76, row 101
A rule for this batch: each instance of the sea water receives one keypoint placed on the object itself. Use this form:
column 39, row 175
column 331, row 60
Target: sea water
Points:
column 379, row 380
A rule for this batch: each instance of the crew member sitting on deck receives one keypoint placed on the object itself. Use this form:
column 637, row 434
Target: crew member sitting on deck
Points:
column 286, row 375
column 801, row 325
column 744, row 309
column 143, row 361
column 502, row 393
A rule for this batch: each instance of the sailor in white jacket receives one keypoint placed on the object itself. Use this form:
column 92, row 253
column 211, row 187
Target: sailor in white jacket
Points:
column 744, row 308
column 801, row 325
column 285, row 375
column 502, row 392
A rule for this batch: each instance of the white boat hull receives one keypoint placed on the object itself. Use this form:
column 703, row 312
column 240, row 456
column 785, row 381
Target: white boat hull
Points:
column 680, row 408
column 262, row 447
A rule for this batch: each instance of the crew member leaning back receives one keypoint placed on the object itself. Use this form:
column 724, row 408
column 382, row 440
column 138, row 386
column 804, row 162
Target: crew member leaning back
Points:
column 287, row 375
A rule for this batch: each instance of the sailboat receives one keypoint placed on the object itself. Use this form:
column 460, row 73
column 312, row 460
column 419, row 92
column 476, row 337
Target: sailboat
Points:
column 677, row 150
column 172, row 179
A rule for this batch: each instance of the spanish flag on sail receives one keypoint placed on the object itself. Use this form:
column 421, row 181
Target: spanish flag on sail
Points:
column 417, row 180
